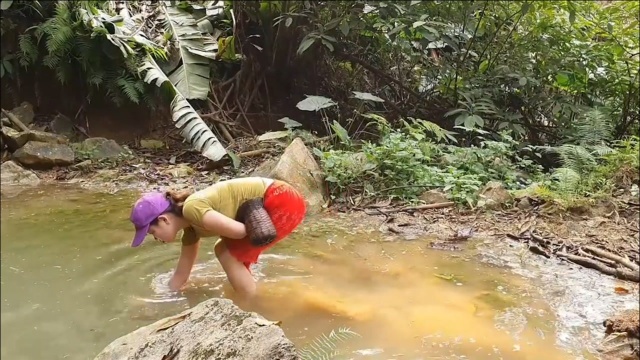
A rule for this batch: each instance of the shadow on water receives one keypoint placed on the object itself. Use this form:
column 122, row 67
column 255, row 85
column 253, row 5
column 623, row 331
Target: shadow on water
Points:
column 71, row 283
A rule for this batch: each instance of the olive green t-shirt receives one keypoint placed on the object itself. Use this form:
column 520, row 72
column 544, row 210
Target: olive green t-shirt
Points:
column 224, row 197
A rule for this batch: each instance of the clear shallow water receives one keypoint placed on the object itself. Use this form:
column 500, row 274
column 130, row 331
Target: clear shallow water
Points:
column 71, row 284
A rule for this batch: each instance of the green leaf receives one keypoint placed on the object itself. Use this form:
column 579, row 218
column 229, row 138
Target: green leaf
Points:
column 5, row 4
column 191, row 78
column 483, row 66
column 273, row 135
column 525, row 8
column 461, row 119
column 306, row 43
column 562, row 79
column 344, row 28
column 289, row 123
column 315, row 103
column 572, row 16
column 418, row 23
column 366, row 96
column 454, row 112
column 185, row 117
column 328, row 45
column 522, row 81
column 342, row 133
column 235, row 159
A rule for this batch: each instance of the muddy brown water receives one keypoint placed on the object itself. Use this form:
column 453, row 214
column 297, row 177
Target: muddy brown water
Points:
column 71, row 284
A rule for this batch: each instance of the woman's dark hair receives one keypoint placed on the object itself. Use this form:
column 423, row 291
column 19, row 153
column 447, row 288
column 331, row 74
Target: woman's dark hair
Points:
column 177, row 199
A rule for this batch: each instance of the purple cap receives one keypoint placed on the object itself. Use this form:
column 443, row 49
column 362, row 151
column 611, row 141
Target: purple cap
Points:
column 145, row 211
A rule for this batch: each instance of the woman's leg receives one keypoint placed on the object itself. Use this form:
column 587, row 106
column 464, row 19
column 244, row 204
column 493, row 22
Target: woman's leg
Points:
column 239, row 276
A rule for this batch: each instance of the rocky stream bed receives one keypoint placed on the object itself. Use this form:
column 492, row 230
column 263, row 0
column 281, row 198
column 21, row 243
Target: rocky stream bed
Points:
column 603, row 238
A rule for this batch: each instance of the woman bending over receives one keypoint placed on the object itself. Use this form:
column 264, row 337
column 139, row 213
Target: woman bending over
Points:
column 212, row 212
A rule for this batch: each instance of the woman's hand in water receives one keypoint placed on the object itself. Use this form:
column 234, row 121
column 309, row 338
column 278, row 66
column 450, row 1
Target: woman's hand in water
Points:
column 176, row 283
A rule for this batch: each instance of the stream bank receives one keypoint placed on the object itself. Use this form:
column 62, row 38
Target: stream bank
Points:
column 523, row 229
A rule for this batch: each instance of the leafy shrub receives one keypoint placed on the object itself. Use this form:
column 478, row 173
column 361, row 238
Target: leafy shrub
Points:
column 404, row 163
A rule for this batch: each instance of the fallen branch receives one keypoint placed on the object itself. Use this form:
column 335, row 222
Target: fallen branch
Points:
column 254, row 152
column 417, row 208
column 622, row 274
column 15, row 120
column 618, row 259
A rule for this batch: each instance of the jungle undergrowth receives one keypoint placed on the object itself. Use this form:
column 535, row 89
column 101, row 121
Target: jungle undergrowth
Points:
column 407, row 161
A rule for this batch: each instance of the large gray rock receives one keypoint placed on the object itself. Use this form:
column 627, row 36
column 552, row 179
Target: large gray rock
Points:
column 97, row 148
column 16, row 179
column 494, row 195
column 24, row 113
column 16, row 139
column 42, row 155
column 62, row 125
column 433, row 197
column 215, row 329
column 298, row 167
column 14, row 174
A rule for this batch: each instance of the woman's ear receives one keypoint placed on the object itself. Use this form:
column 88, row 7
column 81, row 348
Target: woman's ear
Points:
column 163, row 218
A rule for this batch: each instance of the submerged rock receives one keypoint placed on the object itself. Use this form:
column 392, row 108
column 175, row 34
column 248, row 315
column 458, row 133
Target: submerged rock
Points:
column 41, row 155
column 298, row 167
column 215, row 329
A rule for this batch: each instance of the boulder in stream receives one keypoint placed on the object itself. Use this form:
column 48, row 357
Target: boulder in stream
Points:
column 42, row 155
column 298, row 167
column 14, row 174
column 215, row 329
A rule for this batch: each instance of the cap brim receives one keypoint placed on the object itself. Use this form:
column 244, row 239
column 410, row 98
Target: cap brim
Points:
column 141, row 233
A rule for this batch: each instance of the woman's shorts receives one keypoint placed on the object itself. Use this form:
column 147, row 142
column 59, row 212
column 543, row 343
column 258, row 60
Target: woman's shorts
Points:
column 286, row 208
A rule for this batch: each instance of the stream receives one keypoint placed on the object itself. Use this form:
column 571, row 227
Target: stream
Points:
column 71, row 284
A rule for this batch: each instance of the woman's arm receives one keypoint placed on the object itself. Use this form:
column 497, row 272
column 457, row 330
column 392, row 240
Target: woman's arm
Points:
column 188, row 255
column 223, row 225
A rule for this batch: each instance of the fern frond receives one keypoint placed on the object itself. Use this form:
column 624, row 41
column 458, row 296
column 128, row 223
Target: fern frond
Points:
column 28, row 50
column 568, row 180
column 127, row 85
column 325, row 346
column 593, row 127
column 575, row 157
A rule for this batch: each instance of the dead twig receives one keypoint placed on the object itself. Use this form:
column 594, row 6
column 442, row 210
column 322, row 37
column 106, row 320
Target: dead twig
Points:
column 14, row 119
column 416, row 208
column 254, row 152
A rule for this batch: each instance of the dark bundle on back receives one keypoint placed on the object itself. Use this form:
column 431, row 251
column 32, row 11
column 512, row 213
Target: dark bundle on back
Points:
column 260, row 228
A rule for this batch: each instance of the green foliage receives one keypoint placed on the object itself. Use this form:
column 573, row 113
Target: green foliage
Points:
column 85, row 46
column 521, row 66
column 406, row 162
column 592, row 171
column 325, row 347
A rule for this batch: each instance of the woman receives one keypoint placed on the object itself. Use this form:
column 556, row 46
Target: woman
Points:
column 212, row 212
